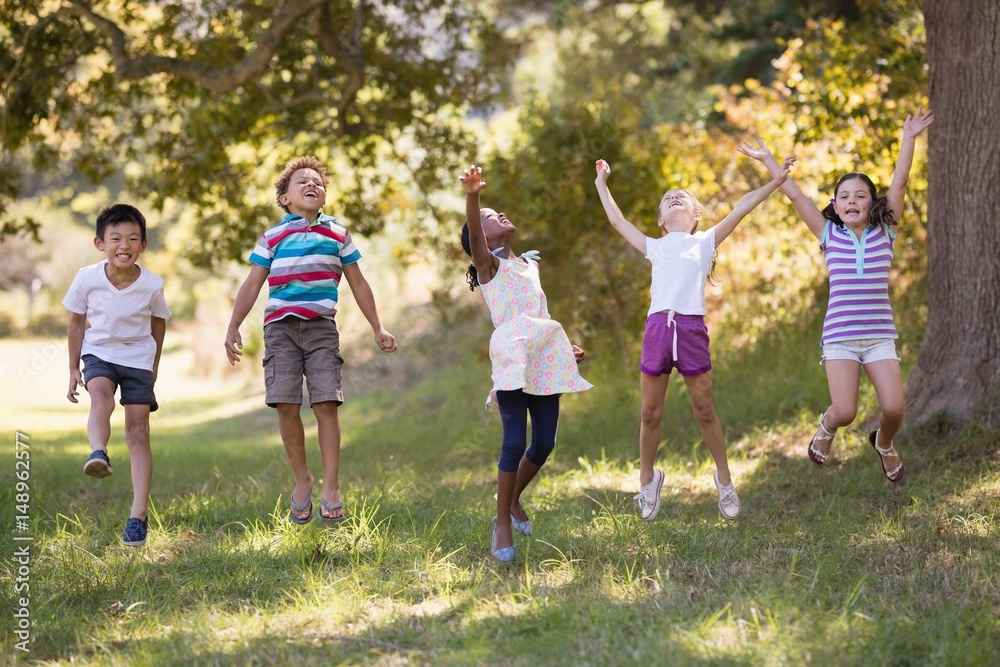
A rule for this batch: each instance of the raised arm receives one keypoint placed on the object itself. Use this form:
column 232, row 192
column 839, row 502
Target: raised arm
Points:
column 912, row 127
column 636, row 238
column 750, row 201
column 806, row 208
column 485, row 261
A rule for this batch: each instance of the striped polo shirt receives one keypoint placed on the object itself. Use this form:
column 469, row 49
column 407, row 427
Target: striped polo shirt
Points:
column 305, row 262
column 859, row 283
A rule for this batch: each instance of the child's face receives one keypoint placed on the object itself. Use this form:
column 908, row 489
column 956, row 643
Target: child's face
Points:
column 678, row 212
column 122, row 244
column 306, row 193
column 853, row 202
column 496, row 226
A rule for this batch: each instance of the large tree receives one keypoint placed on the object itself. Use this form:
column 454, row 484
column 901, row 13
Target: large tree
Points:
column 959, row 363
column 197, row 101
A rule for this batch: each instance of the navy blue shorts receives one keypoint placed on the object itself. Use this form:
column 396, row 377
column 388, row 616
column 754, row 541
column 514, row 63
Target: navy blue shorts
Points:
column 136, row 383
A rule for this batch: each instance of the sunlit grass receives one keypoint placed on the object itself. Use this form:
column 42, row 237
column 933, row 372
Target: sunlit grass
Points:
column 826, row 566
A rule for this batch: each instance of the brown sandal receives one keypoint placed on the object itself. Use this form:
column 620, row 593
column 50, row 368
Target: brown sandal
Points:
column 815, row 455
column 896, row 474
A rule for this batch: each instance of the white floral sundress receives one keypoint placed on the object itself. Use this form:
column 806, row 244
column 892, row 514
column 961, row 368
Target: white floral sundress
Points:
column 529, row 350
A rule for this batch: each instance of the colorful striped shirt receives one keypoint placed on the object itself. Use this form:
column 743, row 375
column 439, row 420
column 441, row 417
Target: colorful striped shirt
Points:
column 859, row 283
column 305, row 262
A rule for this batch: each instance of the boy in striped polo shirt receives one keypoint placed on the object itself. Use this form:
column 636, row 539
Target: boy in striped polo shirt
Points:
column 302, row 258
column 857, row 233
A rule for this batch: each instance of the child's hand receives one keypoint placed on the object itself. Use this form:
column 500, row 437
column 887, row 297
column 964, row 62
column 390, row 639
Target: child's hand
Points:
column 603, row 171
column 472, row 180
column 786, row 166
column 918, row 122
column 760, row 152
column 75, row 380
column 234, row 346
column 385, row 340
column 578, row 353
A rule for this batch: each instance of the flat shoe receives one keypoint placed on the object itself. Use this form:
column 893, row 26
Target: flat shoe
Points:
column 523, row 527
column 330, row 508
column 504, row 555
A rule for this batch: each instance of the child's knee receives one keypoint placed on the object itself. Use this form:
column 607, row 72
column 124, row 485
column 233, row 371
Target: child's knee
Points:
column 893, row 413
column 652, row 414
column 704, row 412
column 137, row 434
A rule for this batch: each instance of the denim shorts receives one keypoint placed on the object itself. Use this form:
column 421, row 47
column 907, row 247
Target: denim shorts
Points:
column 672, row 340
column 136, row 383
column 294, row 348
column 862, row 350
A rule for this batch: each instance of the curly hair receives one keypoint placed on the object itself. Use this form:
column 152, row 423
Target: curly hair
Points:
column 472, row 275
column 304, row 162
column 879, row 212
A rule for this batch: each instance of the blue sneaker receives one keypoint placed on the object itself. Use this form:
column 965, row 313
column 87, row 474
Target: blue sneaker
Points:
column 135, row 532
column 97, row 464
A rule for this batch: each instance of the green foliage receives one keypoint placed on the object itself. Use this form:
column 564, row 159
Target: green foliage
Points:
column 142, row 92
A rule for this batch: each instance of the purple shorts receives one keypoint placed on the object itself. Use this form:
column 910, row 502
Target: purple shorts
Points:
column 675, row 340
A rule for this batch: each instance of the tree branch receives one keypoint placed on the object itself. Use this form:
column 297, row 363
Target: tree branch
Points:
column 216, row 80
column 346, row 50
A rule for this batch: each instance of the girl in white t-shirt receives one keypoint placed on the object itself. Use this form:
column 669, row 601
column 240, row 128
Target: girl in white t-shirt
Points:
column 675, row 333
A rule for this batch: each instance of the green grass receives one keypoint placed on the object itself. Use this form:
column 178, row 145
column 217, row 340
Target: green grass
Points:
column 826, row 566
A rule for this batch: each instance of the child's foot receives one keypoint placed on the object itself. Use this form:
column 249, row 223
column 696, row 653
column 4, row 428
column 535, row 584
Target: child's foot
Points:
column 729, row 502
column 819, row 446
column 649, row 496
column 522, row 526
column 135, row 532
column 889, row 458
column 97, row 464
column 332, row 512
column 503, row 554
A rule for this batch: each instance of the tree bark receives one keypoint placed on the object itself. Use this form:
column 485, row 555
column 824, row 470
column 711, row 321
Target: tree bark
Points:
column 959, row 363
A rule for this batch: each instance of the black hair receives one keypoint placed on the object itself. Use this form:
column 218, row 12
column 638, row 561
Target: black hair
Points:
column 118, row 214
column 472, row 275
column 879, row 212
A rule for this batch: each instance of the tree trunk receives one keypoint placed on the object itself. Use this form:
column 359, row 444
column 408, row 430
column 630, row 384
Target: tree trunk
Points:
column 959, row 363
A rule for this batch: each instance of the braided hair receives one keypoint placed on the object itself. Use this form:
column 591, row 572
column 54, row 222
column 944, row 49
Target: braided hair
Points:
column 879, row 213
column 472, row 275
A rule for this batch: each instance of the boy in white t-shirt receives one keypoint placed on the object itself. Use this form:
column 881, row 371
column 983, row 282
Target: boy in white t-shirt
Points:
column 124, row 305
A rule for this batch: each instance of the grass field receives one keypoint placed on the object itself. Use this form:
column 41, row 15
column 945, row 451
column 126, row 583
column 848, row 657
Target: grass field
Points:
column 826, row 566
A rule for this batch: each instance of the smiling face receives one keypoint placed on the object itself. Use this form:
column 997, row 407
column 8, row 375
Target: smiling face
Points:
column 122, row 244
column 306, row 193
column 679, row 212
column 498, row 229
column 853, row 202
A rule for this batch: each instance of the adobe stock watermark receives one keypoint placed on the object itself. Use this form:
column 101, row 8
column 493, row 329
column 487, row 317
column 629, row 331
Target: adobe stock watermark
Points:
column 44, row 355
column 22, row 542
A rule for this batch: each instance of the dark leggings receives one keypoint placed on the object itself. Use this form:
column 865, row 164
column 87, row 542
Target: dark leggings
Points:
column 514, row 408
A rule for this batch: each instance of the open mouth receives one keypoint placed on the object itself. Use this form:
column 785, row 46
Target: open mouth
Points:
column 675, row 203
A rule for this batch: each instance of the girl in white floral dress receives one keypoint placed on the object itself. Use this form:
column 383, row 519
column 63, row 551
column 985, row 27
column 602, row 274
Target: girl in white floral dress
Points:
column 533, row 360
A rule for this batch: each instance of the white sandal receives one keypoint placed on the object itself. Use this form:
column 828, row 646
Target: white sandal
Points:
column 822, row 435
column 897, row 473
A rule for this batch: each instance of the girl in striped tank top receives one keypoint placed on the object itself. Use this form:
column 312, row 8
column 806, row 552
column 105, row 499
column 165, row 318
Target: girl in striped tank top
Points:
column 857, row 233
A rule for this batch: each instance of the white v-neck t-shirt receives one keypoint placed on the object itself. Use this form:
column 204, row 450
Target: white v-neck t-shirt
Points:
column 120, row 331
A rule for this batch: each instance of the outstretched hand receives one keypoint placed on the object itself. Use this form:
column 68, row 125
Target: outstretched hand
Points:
column 578, row 353
column 760, row 152
column 603, row 171
column 786, row 166
column 918, row 122
column 472, row 179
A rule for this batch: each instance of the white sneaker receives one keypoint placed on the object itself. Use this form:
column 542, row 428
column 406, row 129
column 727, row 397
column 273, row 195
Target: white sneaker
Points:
column 649, row 496
column 729, row 502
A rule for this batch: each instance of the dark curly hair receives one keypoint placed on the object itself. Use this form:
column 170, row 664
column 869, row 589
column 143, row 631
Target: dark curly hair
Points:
column 472, row 275
column 879, row 212
column 285, row 177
